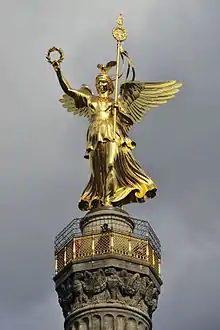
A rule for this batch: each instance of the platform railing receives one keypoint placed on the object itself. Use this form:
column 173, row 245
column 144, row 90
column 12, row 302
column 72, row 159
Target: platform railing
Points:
column 107, row 244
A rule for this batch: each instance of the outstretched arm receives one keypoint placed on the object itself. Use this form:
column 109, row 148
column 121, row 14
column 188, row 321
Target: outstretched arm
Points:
column 76, row 101
column 63, row 83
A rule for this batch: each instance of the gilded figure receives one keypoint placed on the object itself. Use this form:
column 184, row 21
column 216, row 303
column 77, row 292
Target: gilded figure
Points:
column 116, row 178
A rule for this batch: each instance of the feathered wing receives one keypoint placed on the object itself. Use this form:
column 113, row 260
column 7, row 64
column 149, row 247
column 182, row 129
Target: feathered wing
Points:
column 137, row 98
column 77, row 103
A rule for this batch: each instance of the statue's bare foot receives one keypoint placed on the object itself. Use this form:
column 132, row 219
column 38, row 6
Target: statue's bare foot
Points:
column 107, row 202
column 151, row 193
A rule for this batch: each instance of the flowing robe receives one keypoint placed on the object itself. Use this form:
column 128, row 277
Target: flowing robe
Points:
column 116, row 177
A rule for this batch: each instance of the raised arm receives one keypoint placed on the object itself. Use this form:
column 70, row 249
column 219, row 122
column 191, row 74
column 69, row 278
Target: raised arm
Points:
column 63, row 83
column 75, row 101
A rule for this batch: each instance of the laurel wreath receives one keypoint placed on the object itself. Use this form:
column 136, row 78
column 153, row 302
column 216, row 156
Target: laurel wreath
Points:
column 52, row 50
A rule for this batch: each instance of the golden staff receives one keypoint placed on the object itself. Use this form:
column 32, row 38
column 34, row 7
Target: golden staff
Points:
column 120, row 34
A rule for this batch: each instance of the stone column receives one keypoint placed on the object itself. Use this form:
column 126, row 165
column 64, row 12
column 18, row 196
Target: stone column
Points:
column 116, row 290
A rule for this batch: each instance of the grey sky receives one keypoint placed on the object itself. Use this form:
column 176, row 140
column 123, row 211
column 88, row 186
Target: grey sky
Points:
column 42, row 170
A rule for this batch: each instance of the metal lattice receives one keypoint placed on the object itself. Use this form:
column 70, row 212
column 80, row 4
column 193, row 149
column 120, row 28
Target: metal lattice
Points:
column 94, row 246
column 67, row 234
column 141, row 244
column 142, row 230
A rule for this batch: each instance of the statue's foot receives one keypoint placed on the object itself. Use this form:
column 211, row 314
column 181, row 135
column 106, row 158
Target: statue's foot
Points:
column 107, row 202
column 83, row 205
column 95, row 203
column 151, row 193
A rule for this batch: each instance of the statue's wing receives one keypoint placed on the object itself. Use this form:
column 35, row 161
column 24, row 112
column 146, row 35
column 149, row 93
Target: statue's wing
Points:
column 77, row 101
column 137, row 98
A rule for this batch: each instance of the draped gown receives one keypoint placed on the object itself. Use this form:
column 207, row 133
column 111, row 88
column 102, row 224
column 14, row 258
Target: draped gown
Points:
column 116, row 177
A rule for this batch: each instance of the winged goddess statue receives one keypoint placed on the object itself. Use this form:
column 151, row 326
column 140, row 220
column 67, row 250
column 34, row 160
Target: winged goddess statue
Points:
column 116, row 176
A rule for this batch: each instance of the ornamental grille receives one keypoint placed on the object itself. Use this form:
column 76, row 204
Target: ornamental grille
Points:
column 142, row 230
column 111, row 244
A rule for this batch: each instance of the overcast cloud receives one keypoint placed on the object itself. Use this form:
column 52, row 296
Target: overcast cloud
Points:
column 42, row 170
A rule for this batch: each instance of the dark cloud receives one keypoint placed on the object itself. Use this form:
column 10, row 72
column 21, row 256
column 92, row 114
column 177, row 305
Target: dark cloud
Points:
column 42, row 170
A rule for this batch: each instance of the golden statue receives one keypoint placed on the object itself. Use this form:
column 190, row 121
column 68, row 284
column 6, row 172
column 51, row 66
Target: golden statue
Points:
column 116, row 177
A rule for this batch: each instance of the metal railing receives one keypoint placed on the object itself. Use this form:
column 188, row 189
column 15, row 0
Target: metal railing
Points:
column 111, row 243
column 142, row 229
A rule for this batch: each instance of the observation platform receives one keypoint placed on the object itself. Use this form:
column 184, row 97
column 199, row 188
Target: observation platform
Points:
column 107, row 233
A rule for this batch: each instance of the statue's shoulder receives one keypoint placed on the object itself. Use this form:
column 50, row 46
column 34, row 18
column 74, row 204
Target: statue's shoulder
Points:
column 94, row 99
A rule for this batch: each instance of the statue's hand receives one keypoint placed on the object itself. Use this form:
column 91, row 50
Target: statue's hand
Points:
column 115, row 108
column 56, row 65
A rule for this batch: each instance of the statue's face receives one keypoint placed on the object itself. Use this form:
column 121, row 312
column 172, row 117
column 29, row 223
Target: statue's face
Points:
column 102, row 86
